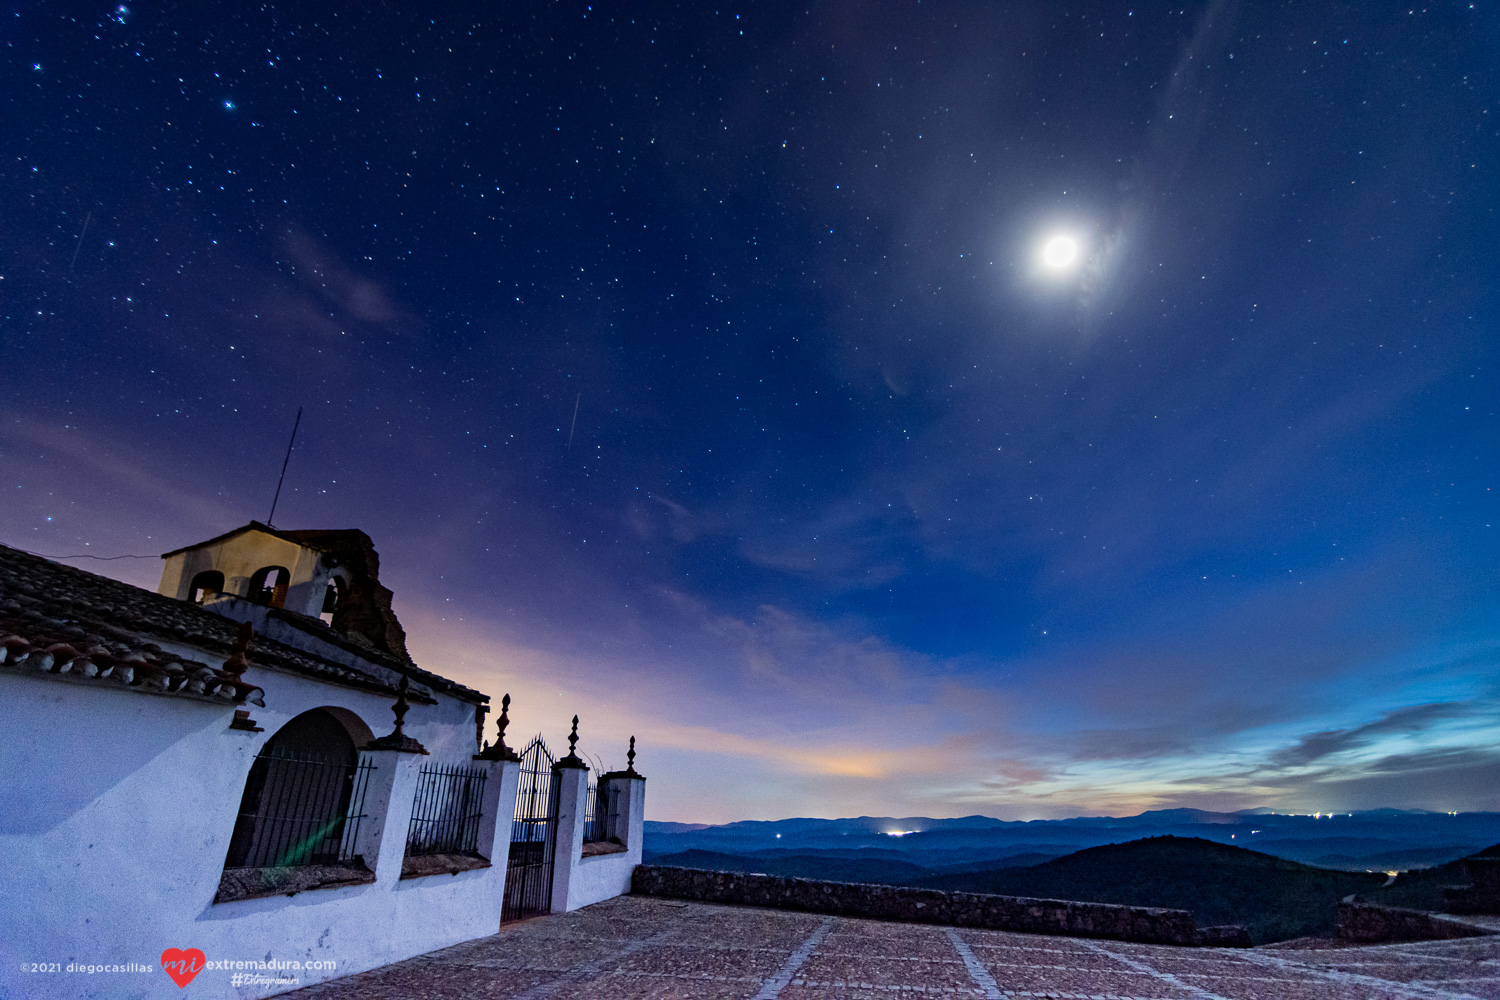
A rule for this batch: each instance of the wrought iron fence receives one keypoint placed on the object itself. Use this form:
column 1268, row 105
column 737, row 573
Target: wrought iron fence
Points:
column 299, row 809
column 596, row 813
column 445, row 813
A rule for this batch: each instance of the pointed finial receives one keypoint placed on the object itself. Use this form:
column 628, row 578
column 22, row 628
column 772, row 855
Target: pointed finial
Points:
column 630, row 771
column 398, row 740
column 402, row 706
column 499, row 751
column 236, row 665
column 503, row 721
column 572, row 759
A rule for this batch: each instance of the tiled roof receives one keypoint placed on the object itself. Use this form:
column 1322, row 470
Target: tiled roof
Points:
column 63, row 639
column 62, row 621
column 317, row 627
column 369, row 628
column 289, row 536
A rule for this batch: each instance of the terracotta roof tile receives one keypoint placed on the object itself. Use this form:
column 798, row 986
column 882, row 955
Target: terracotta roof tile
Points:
column 64, row 622
column 319, row 628
column 33, row 641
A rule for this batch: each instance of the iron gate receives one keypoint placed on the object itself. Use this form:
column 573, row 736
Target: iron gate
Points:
column 533, row 837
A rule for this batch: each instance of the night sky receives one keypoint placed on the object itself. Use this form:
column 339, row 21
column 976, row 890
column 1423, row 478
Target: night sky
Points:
column 703, row 372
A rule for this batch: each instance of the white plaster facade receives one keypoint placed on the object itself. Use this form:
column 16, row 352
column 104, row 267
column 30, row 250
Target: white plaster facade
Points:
column 117, row 810
column 117, row 806
column 593, row 879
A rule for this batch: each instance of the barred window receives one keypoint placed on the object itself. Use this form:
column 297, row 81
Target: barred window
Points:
column 303, row 799
column 446, row 811
column 597, row 812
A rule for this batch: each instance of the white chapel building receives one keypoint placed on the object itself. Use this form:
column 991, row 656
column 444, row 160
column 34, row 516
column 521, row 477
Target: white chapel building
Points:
column 248, row 767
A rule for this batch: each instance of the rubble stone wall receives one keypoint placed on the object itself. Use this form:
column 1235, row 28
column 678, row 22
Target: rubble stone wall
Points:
column 1369, row 923
column 933, row 906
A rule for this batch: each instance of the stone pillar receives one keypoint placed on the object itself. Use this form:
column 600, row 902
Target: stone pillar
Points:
column 627, row 804
column 389, row 797
column 627, row 800
column 571, row 777
column 498, row 810
column 573, row 785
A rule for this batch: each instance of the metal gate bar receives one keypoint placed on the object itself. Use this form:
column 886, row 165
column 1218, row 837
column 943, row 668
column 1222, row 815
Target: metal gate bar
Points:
column 533, row 837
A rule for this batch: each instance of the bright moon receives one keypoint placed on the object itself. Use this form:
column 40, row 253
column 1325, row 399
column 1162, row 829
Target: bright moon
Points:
column 1060, row 252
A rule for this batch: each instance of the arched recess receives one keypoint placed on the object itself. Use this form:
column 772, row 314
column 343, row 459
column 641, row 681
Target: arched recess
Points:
column 269, row 585
column 338, row 586
column 209, row 583
column 297, row 797
column 360, row 733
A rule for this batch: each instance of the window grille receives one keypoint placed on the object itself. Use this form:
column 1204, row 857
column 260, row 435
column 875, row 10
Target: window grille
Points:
column 596, row 813
column 299, row 809
column 446, row 811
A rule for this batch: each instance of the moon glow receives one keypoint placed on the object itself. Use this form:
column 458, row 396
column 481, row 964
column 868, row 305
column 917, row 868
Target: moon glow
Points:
column 1060, row 252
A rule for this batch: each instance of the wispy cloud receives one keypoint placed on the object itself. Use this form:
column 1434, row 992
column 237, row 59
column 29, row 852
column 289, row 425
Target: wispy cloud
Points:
column 1315, row 747
column 359, row 297
column 92, row 457
column 816, row 714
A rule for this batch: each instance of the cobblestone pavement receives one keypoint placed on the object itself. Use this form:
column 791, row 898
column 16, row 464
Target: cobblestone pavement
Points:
column 638, row 947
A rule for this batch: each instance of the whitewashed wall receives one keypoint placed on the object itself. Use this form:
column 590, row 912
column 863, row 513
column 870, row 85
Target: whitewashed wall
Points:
column 240, row 557
column 116, row 810
column 584, row 881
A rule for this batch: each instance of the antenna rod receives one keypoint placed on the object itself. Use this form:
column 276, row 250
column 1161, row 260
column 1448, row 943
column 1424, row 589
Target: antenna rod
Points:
column 284, row 461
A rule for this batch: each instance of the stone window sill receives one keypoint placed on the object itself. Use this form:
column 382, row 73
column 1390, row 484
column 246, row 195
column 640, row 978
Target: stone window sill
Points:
column 441, row 864
column 258, row 883
column 597, row 847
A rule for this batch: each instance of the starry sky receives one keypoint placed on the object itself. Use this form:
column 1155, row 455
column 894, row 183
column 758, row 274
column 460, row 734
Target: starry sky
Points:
column 700, row 371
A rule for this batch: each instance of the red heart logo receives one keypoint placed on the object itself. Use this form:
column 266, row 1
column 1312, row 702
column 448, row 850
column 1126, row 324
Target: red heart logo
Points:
column 181, row 965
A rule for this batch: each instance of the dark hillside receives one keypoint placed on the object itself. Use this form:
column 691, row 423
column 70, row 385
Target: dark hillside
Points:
column 1423, row 890
column 1273, row 898
column 828, row 868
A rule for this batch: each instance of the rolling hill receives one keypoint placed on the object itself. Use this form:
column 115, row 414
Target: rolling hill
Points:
column 1275, row 899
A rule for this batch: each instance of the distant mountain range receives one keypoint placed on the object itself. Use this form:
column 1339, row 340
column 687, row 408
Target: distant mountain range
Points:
column 1287, row 886
column 1376, row 840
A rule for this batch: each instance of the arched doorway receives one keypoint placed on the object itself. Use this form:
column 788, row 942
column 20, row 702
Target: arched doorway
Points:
column 296, row 806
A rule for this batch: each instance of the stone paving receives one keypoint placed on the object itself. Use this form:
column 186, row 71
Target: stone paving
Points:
column 633, row 948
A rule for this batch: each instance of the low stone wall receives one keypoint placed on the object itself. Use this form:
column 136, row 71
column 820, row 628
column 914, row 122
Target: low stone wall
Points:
column 931, row 906
column 1368, row 923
